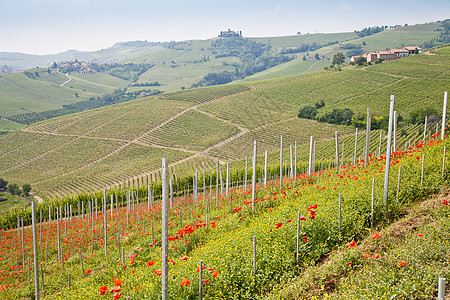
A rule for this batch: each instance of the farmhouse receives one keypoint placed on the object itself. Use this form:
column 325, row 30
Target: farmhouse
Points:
column 391, row 54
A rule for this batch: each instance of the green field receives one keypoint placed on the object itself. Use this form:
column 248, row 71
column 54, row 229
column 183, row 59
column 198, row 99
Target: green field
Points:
column 13, row 202
column 107, row 146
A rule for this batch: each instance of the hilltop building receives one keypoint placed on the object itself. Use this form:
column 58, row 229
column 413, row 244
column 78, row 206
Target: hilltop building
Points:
column 230, row 33
column 388, row 55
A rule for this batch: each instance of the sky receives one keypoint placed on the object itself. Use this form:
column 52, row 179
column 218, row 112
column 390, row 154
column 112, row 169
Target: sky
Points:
column 53, row 26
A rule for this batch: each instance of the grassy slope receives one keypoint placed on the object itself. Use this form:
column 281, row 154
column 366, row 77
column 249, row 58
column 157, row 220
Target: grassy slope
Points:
column 13, row 202
column 259, row 110
column 392, row 38
column 420, row 239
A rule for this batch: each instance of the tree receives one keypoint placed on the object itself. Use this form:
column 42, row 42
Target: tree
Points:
column 307, row 112
column 54, row 65
column 3, row 184
column 361, row 61
column 338, row 59
column 364, row 43
column 26, row 189
column 13, row 189
column 317, row 57
column 379, row 61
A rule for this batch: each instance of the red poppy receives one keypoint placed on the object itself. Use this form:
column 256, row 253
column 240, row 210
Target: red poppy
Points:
column 366, row 255
column 88, row 271
column 213, row 224
column 118, row 282
column 150, row 263
column 402, row 263
column 198, row 268
column 445, row 202
column 302, row 218
column 215, row 274
column 103, row 290
column 419, row 234
column 183, row 258
column 117, row 296
column 349, row 263
column 352, row 244
column 138, row 288
column 375, row 236
column 278, row 225
column 185, row 282
column 158, row 272
column 115, row 289
column 377, row 255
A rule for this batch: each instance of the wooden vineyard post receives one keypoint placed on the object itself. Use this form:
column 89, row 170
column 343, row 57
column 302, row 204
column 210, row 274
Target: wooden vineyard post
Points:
column 298, row 237
column 105, row 227
column 379, row 145
column 254, row 175
column 340, row 214
column 81, row 261
column 373, row 199
column 204, row 187
column 57, row 233
column 295, row 161
column 171, row 192
column 200, row 282
column 217, row 184
column 227, row 181
column 425, row 128
column 165, row 232
column 292, row 163
column 398, row 181
column 254, row 255
column 281, row 163
column 42, row 279
column 265, row 168
column 342, row 153
column 441, row 288
column 356, row 145
column 444, row 116
column 35, row 251
column 246, row 173
column 394, row 132
column 443, row 164
column 221, row 180
column 366, row 153
column 336, row 158
column 421, row 173
column 310, row 155
column 388, row 155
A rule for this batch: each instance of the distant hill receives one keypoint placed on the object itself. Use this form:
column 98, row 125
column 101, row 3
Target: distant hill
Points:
column 193, row 128
column 178, row 66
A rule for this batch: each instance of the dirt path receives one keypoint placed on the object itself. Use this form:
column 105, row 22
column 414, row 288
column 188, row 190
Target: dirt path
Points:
column 67, row 81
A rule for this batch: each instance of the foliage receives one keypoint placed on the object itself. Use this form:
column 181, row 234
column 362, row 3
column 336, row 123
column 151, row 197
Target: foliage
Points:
column 338, row 59
column 417, row 116
column 26, row 189
column 307, row 112
column 130, row 71
column 368, row 31
column 360, row 61
column 338, row 116
column 13, row 189
column 306, row 47
column 3, row 184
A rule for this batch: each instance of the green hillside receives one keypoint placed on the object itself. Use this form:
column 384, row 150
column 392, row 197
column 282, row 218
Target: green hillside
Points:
column 193, row 128
column 389, row 38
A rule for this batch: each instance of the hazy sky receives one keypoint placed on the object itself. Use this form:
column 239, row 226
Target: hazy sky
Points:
column 52, row 26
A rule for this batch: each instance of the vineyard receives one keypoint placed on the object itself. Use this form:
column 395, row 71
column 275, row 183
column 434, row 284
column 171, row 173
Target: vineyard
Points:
column 109, row 243
column 198, row 126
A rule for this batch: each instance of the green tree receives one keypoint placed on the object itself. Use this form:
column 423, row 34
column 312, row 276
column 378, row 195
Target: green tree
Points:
column 307, row 112
column 317, row 57
column 26, row 189
column 338, row 59
column 54, row 65
column 3, row 184
column 361, row 61
column 379, row 61
column 13, row 189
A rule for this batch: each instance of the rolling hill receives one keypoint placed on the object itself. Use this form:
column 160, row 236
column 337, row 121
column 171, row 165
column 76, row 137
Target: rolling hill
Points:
column 179, row 65
column 193, row 128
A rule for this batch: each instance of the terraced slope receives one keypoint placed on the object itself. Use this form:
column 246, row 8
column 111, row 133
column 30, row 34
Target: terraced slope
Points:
column 194, row 128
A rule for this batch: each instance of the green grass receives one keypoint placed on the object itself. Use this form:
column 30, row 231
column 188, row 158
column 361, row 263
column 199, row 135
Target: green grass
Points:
column 13, row 202
column 7, row 125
